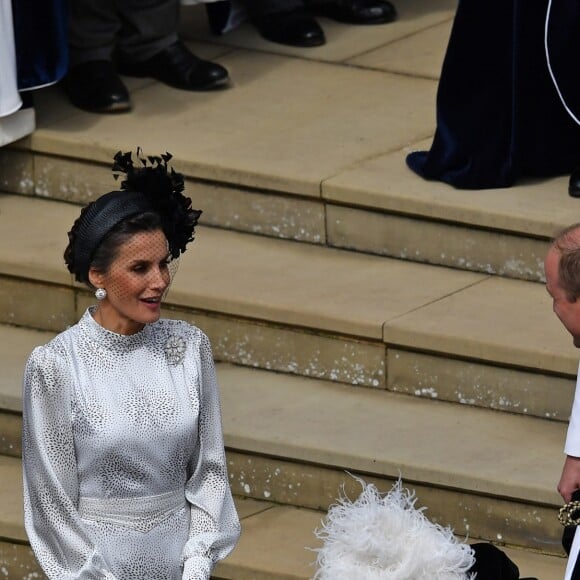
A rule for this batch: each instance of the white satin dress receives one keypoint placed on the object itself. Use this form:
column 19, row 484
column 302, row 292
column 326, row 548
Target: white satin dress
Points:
column 124, row 466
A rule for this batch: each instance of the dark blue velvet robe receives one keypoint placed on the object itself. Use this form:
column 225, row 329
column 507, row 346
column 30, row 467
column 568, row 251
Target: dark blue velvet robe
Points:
column 499, row 116
column 40, row 35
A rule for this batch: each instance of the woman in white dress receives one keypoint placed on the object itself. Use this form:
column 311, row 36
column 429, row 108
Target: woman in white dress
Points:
column 124, row 466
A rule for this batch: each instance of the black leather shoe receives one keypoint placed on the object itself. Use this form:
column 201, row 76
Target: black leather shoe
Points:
column 95, row 86
column 294, row 28
column 178, row 67
column 574, row 183
column 355, row 11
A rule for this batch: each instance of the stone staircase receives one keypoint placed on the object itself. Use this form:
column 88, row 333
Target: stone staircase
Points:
column 365, row 321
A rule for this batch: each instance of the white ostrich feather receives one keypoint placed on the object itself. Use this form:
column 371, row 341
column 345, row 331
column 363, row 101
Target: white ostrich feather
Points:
column 384, row 537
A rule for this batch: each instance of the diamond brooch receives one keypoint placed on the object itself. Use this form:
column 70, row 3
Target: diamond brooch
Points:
column 174, row 349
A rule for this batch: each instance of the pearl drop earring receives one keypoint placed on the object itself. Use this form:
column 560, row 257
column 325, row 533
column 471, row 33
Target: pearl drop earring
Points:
column 100, row 293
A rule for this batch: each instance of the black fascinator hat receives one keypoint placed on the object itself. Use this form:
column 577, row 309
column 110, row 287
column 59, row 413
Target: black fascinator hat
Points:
column 151, row 186
column 163, row 188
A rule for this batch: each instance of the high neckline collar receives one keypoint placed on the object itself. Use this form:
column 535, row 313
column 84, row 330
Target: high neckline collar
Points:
column 108, row 338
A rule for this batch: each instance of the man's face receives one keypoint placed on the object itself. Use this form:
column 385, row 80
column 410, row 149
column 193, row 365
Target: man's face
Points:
column 567, row 312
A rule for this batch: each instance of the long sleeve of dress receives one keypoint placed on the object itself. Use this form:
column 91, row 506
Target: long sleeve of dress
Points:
column 61, row 545
column 214, row 528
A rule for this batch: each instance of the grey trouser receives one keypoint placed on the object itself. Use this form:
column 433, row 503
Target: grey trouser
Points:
column 137, row 29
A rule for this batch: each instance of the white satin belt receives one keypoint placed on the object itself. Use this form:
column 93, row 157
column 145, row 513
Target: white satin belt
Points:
column 138, row 513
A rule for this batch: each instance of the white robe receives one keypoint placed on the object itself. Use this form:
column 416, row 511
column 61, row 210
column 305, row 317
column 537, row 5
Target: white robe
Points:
column 14, row 124
column 572, row 448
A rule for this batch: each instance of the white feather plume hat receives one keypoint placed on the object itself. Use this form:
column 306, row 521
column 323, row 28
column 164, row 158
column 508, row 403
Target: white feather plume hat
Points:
column 384, row 537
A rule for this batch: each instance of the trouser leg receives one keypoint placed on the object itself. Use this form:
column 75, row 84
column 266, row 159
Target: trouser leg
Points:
column 148, row 27
column 93, row 28
column 261, row 7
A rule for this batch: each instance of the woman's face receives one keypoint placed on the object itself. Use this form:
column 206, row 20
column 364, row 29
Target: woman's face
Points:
column 135, row 283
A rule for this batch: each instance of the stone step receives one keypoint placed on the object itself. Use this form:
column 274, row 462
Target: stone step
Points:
column 17, row 343
column 276, row 540
column 423, row 330
column 491, row 475
column 485, row 232
column 292, row 440
column 276, row 543
column 271, row 156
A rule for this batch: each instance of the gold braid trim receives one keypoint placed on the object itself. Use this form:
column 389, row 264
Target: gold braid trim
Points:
column 569, row 514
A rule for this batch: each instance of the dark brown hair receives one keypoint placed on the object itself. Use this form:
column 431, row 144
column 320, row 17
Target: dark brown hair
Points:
column 108, row 249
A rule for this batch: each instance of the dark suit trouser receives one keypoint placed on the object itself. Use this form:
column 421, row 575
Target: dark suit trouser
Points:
column 137, row 29
column 270, row 6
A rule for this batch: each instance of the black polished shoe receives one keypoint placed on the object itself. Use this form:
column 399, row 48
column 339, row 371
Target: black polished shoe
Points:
column 355, row 11
column 294, row 28
column 95, row 86
column 178, row 67
column 574, row 183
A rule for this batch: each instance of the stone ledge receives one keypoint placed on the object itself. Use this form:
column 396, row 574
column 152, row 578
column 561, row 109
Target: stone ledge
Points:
column 494, row 232
column 534, row 208
column 470, row 514
column 414, row 238
column 468, row 382
column 285, row 283
column 501, row 321
column 273, row 544
column 312, row 421
column 269, row 132
column 301, row 286
column 17, row 344
column 305, row 420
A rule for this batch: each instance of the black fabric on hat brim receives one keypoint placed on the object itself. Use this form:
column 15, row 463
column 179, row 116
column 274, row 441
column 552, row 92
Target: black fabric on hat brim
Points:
column 100, row 218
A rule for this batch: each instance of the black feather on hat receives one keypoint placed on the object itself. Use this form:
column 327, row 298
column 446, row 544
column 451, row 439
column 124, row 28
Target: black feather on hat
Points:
column 163, row 187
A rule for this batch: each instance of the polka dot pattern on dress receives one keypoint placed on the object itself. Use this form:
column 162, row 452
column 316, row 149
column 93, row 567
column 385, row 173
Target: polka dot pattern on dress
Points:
column 124, row 464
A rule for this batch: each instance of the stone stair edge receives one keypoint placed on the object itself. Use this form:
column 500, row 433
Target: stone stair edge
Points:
column 535, row 208
column 299, row 424
column 392, row 334
column 333, row 190
column 18, row 343
column 300, row 524
column 50, row 269
column 321, row 440
column 45, row 144
column 374, row 328
column 346, row 224
column 287, row 530
column 299, row 421
column 409, row 372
